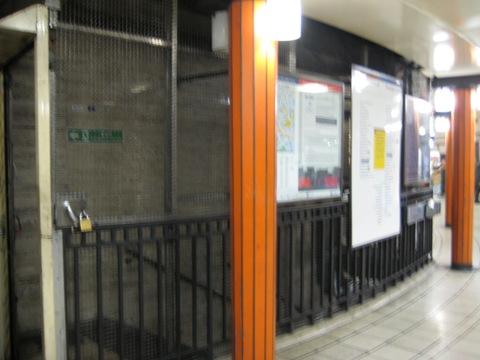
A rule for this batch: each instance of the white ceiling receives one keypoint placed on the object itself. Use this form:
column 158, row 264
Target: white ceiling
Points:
column 408, row 27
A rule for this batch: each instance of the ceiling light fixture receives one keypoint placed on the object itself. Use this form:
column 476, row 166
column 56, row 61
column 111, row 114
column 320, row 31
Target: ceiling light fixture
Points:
column 443, row 57
column 441, row 36
column 444, row 100
column 442, row 124
column 280, row 20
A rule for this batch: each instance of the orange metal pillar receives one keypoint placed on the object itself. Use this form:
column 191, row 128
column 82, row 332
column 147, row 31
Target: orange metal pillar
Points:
column 253, row 74
column 463, row 180
column 449, row 174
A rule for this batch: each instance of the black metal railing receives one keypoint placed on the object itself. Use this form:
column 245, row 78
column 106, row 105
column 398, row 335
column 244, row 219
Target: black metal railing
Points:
column 148, row 291
column 318, row 272
column 309, row 262
column 162, row 291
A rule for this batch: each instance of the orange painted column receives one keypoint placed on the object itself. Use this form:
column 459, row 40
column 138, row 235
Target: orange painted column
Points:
column 253, row 75
column 463, row 180
column 449, row 174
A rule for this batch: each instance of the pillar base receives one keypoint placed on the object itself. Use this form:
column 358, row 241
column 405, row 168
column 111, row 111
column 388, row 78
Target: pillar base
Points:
column 462, row 267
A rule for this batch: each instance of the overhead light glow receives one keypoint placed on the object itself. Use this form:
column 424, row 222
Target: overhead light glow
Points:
column 393, row 127
column 422, row 106
column 443, row 57
column 444, row 100
column 441, row 36
column 313, row 88
column 359, row 81
column 442, row 124
column 279, row 20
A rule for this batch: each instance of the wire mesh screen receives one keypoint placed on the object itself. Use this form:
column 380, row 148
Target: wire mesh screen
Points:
column 110, row 120
column 141, row 125
column 110, row 111
column 203, row 120
column 141, row 138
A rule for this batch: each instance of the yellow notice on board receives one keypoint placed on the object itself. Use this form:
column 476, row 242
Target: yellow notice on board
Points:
column 379, row 149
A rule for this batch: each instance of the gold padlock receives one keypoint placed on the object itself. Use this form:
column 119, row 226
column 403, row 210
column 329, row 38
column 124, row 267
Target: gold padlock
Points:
column 85, row 222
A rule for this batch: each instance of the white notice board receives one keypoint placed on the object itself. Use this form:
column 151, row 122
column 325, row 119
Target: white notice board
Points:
column 377, row 103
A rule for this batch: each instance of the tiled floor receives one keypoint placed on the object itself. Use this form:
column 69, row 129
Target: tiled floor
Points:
column 435, row 314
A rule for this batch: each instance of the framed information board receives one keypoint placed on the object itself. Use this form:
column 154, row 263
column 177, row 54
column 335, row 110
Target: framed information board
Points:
column 377, row 104
column 416, row 154
column 309, row 138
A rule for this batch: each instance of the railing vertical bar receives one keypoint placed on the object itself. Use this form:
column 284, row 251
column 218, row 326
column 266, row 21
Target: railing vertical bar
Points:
column 362, row 273
column 141, row 295
column 302, row 267
column 405, row 253
column 338, row 236
column 331, row 241
column 394, row 257
column 371, row 266
column 76, row 277
column 322, row 264
column 409, row 246
column 291, row 278
column 194, row 292
column 406, row 256
column 394, row 250
column 383, row 268
column 399, row 255
column 66, row 271
column 421, row 252
column 178, row 310
column 349, row 251
column 413, row 247
column 121, row 304
column 224, row 287
column 313, row 267
column 209, row 291
column 408, row 251
column 355, row 272
column 160, row 293
column 100, row 340
column 388, row 260
column 374, row 268
column 421, row 249
column 279, row 273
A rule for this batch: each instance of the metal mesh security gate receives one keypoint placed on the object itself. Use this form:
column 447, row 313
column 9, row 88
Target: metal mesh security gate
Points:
column 141, row 140
column 141, row 120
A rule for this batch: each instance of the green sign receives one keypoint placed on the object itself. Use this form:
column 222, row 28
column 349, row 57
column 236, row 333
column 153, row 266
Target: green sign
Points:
column 94, row 136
